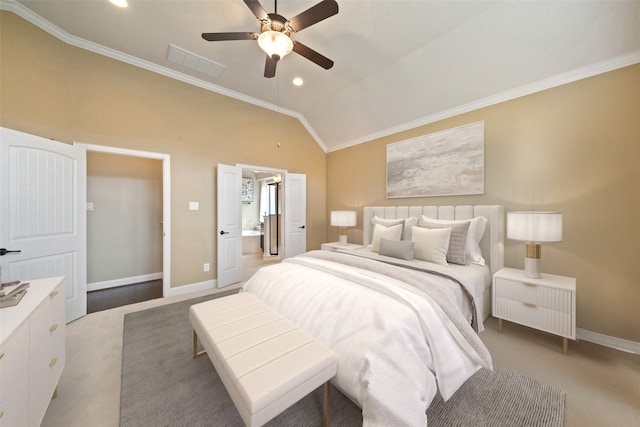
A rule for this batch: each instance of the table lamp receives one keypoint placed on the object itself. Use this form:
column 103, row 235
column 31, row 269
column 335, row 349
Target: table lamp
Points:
column 534, row 228
column 343, row 219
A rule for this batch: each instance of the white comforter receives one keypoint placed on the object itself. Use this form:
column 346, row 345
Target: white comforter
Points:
column 396, row 347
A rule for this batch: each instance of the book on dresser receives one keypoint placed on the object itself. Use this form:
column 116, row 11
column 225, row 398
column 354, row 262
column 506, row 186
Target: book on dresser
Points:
column 12, row 293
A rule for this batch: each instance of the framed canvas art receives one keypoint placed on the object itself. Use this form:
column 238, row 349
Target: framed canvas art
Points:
column 445, row 163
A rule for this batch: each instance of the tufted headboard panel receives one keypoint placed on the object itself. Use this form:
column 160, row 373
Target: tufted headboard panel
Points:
column 492, row 243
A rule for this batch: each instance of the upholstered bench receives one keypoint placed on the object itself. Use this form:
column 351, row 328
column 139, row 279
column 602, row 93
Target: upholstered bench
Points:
column 265, row 362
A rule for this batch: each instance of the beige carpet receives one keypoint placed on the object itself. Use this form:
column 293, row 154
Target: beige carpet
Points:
column 601, row 384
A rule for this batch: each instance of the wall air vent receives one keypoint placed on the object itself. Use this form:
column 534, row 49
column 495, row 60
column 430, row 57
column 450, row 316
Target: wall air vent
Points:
column 195, row 62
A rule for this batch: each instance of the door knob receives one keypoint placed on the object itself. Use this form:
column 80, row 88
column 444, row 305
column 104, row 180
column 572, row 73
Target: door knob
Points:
column 223, row 232
column 302, row 226
column 4, row 251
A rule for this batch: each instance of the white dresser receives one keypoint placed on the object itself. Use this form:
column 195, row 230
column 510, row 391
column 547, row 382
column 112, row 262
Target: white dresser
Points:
column 32, row 352
column 547, row 304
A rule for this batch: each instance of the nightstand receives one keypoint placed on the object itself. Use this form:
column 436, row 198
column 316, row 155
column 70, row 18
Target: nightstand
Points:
column 547, row 304
column 336, row 245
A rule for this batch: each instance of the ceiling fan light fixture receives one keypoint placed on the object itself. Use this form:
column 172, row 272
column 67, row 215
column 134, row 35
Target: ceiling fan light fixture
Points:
column 275, row 44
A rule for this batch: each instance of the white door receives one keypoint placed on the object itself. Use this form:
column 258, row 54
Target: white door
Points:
column 43, row 213
column 229, row 230
column 295, row 214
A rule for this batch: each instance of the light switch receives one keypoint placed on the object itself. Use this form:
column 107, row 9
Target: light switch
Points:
column 194, row 206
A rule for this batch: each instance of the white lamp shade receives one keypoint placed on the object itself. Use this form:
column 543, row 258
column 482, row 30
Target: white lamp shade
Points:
column 534, row 226
column 343, row 218
column 275, row 43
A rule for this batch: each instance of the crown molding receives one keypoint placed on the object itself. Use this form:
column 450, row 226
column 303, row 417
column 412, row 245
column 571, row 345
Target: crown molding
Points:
column 551, row 82
column 37, row 20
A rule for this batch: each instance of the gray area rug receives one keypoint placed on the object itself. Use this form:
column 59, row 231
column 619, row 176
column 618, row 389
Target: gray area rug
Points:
column 162, row 385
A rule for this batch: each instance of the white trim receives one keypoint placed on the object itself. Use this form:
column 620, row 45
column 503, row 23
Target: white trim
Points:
column 608, row 341
column 166, row 200
column 194, row 287
column 97, row 286
column 260, row 168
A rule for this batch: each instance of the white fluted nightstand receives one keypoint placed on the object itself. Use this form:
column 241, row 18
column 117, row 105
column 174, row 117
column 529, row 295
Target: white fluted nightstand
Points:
column 547, row 304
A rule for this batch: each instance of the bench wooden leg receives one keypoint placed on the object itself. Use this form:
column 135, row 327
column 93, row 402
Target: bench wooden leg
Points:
column 196, row 353
column 326, row 410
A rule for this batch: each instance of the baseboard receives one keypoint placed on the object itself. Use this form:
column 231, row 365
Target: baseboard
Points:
column 96, row 286
column 608, row 341
column 194, row 287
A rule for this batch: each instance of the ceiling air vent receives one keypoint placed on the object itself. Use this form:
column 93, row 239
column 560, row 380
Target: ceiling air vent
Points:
column 195, row 62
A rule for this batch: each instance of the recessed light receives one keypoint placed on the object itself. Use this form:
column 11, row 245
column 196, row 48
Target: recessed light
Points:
column 298, row 81
column 120, row 3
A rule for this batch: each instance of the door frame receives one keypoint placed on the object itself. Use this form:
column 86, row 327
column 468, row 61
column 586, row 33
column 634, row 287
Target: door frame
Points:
column 283, row 173
column 166, row 200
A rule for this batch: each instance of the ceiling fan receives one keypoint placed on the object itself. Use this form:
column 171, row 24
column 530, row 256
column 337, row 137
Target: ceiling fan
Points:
column 275, row 33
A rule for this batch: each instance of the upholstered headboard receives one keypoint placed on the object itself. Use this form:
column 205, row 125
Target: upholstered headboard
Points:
column 492, row 243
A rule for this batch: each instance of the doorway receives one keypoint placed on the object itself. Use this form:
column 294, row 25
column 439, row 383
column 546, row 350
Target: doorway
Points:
column 262, row 215
column 162, row 227
column 229, row 219
column 124, row 230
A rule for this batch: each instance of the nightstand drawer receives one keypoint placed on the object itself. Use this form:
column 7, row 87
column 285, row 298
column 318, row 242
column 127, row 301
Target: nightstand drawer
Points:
column 541, row 296
column 536, row 316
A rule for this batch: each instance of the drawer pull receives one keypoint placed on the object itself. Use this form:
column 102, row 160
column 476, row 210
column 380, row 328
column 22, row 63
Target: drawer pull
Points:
column 53, row 327
column 531, row 285
column 528, row 304
column 53, row 361
column 53, row 294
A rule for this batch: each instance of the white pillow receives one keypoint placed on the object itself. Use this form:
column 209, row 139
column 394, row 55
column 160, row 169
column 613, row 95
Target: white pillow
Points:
column 477, row 226
column 457, row 252
column 431, row 244
column 407, row 224
column 381, row 232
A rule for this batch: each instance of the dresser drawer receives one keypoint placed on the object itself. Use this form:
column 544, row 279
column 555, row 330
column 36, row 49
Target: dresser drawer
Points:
column 542, row 296
column 47, row 318
column 14, row 358
column 14, row 410
column 535, row 316
column 45, row 370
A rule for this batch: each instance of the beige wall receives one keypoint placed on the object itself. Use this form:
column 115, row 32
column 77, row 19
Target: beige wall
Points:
column 54, row 90
column 124, row 229
column 576, row 149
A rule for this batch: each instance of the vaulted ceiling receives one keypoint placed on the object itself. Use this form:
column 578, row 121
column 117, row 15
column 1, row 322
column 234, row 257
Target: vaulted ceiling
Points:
column 398, row 64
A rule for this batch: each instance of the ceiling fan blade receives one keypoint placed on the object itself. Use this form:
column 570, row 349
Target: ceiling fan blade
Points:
column 312, row 55
column 270, row 67
column 314, row 14
column 257, row 9
column 216, row 37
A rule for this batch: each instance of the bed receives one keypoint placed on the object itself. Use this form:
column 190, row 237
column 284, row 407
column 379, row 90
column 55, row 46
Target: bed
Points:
column 403, row 329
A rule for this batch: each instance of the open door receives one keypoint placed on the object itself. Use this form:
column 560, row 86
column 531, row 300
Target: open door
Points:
column 43, row 213
column 229, row 231
column 295, row 214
